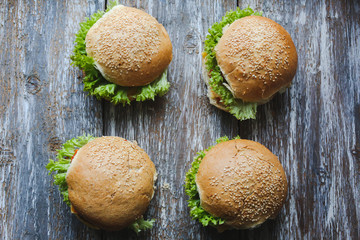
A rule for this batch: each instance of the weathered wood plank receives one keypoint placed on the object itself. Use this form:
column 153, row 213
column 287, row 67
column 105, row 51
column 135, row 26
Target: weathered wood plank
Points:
column 173, row 128
column 314, row 127
column 42, row 104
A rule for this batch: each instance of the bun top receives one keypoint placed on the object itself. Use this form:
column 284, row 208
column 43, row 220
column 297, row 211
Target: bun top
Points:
column 110, row 182
column 242, row 182
column 257, row 58
column 130, row 47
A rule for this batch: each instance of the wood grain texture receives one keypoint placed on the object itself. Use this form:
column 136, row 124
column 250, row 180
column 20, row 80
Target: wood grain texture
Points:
column 42, row 105
column 175, row 127
column 314, row 127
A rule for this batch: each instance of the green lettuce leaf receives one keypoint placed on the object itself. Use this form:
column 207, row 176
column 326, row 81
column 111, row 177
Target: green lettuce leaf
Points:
column 241, row 110
column 61, row 165
column 196, row 211
column 142, row 225
column 97, row 85
column 158, row 87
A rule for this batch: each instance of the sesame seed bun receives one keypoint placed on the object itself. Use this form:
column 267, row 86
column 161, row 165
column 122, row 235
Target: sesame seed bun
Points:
column 129, row 47
column 110, row 183
column 257, row 58
column 242, row 182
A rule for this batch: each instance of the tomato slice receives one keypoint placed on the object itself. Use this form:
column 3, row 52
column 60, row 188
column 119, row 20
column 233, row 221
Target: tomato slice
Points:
column 76, row 150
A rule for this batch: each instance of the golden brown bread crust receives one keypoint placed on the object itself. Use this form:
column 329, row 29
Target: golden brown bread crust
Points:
column 130, row 47
column 242, row 182
column 257, row 58
column 110, row 182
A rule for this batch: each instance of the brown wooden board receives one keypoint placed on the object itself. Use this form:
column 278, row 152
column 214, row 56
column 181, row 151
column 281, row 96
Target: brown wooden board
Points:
column 314, row 127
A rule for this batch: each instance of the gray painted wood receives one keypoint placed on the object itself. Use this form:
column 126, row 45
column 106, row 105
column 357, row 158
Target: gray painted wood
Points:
column 42, row 105
column 314, row 127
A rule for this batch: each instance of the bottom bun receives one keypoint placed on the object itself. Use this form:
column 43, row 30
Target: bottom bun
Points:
column 214, row 98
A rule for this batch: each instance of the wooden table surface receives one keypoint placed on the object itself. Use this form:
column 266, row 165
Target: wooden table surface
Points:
column 314, row 127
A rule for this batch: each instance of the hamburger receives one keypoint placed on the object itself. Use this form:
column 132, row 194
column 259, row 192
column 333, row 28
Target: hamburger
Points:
column 247, row 59
column 108, row 182
column 236, row 184
column 124, row 54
